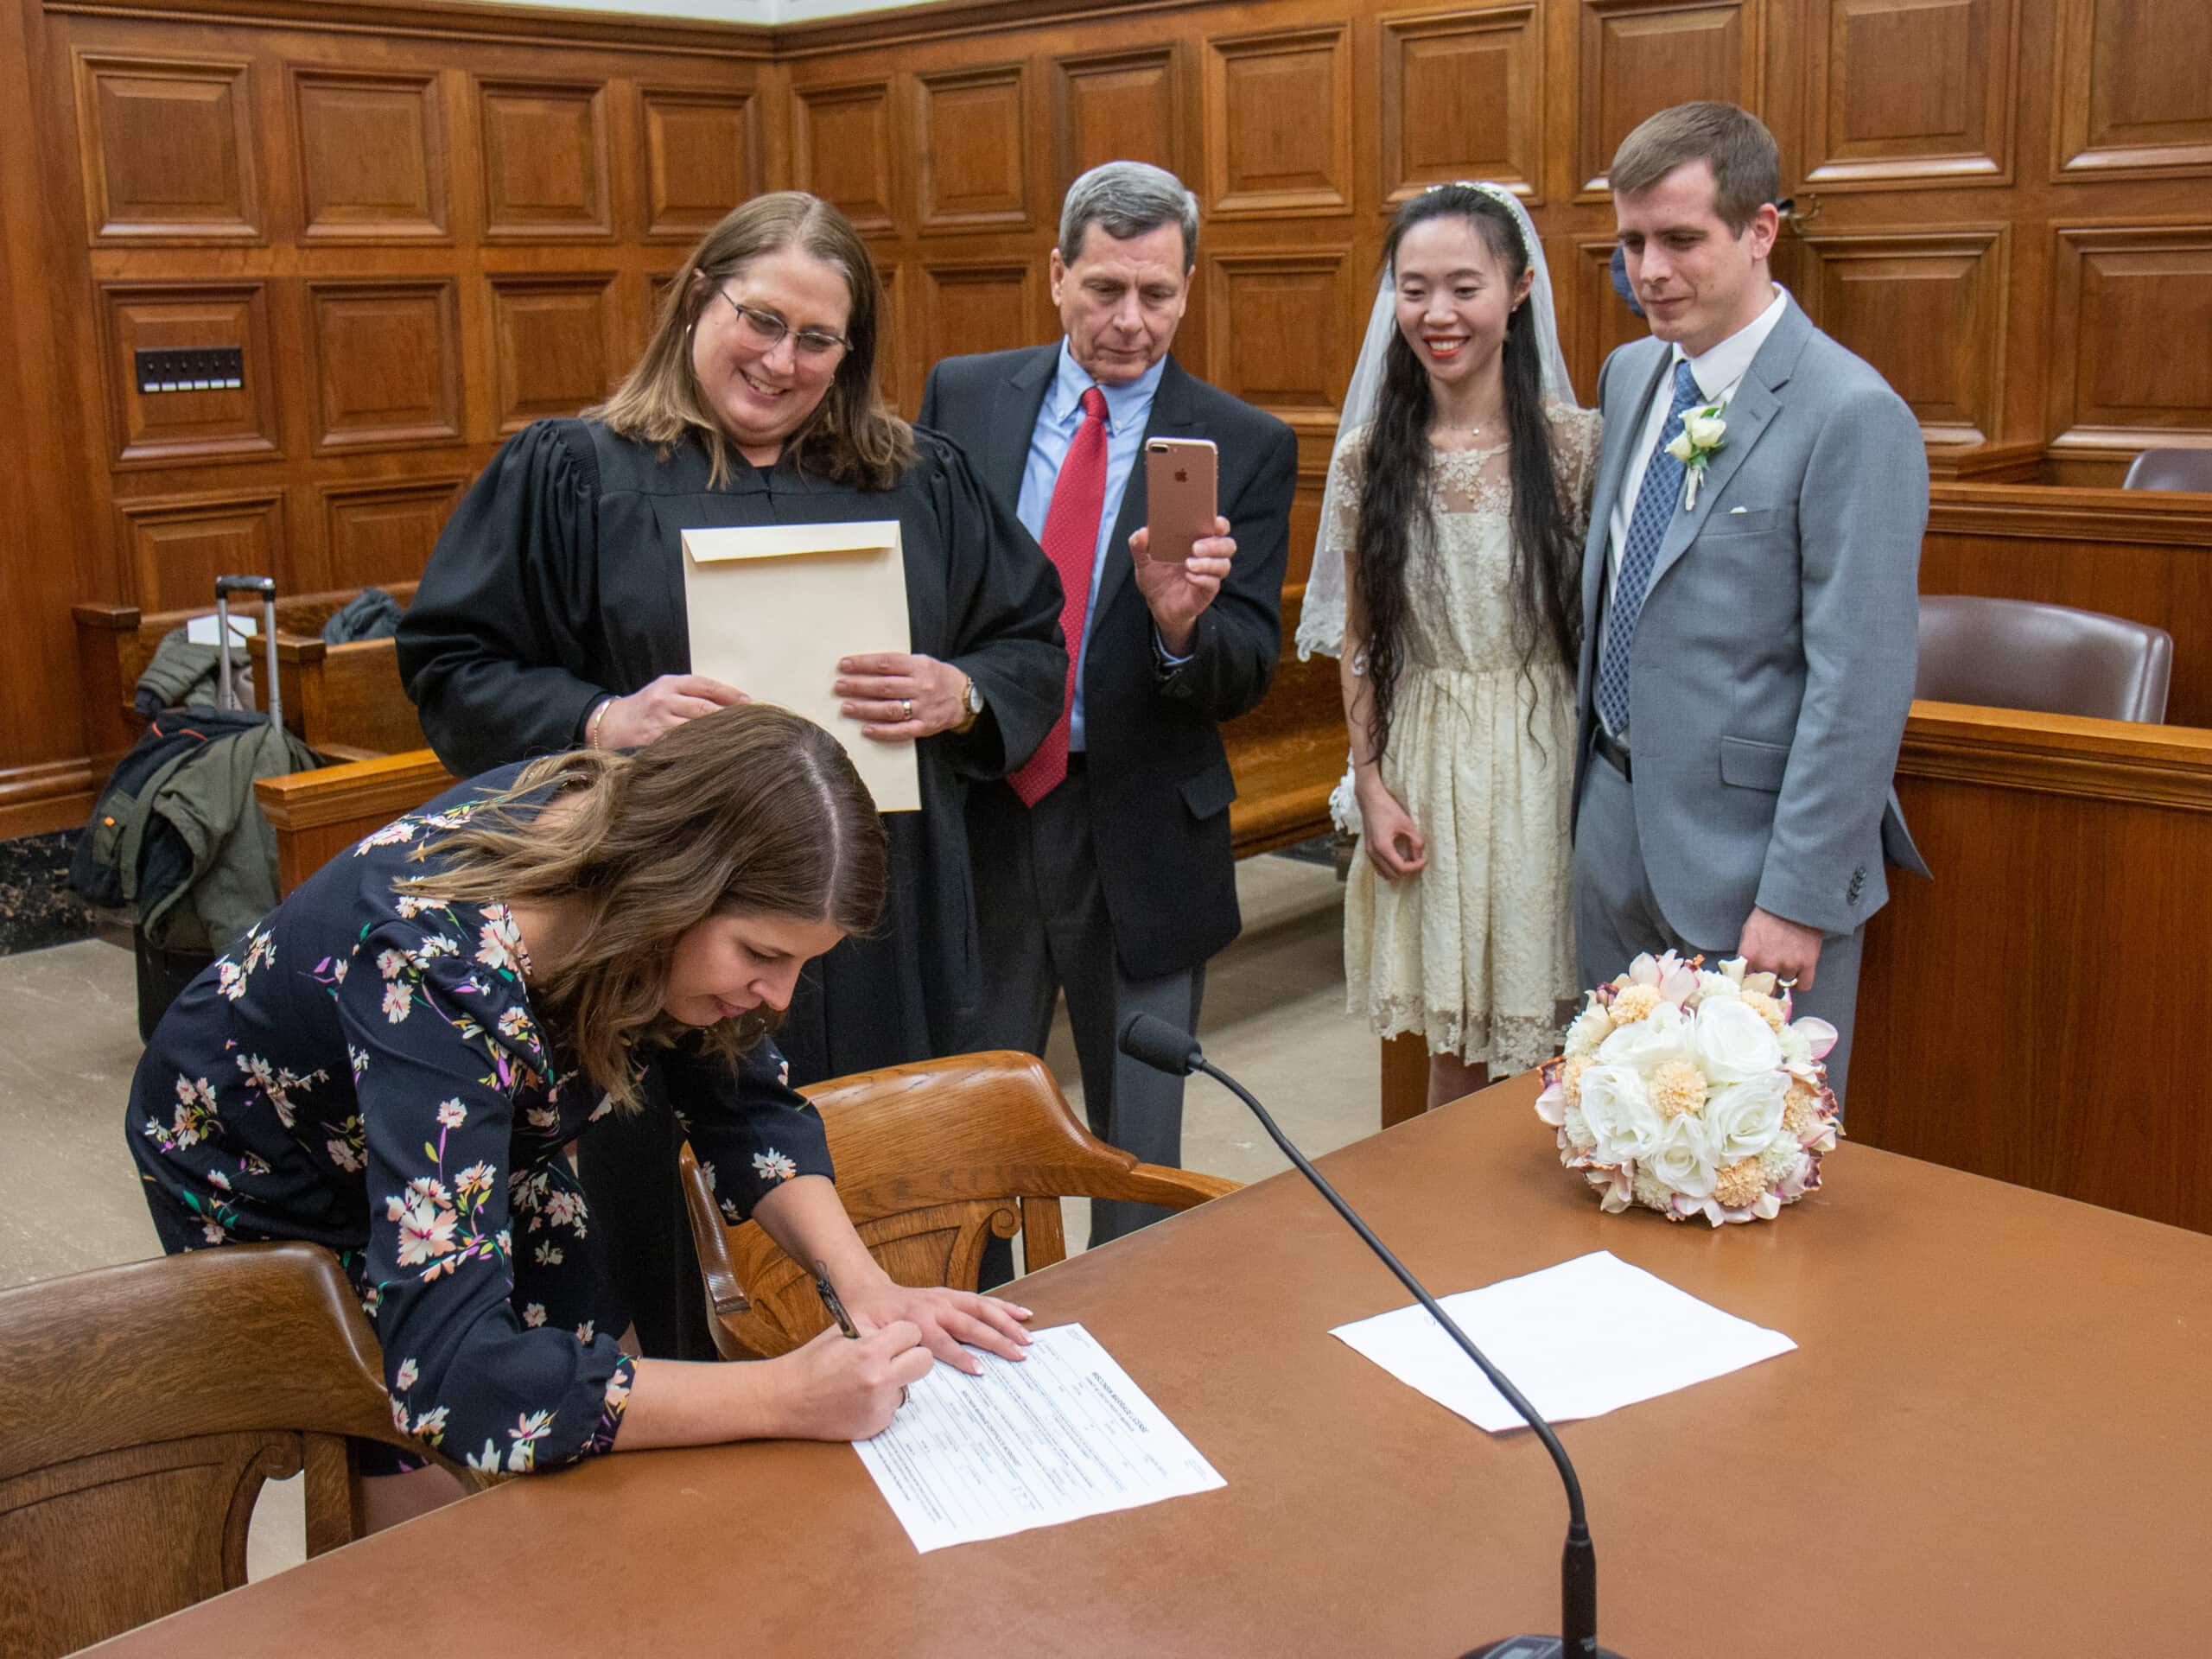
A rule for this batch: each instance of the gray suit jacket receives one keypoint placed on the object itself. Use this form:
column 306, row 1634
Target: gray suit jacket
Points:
column 1773, row 665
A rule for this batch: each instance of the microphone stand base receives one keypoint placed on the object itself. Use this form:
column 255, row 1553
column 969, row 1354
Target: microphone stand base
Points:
column 1531, row 1647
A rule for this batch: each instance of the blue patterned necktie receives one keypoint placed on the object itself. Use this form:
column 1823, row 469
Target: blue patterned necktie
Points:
column 1646, row 527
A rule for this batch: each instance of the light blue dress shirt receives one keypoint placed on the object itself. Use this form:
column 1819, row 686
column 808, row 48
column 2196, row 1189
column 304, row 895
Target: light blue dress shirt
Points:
column 1128, row 409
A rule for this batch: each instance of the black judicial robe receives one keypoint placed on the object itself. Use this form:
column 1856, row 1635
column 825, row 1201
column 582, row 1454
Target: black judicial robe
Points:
column 559, row 579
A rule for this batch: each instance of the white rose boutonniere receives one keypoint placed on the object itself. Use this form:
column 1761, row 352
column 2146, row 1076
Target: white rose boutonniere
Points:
column 1703, row 433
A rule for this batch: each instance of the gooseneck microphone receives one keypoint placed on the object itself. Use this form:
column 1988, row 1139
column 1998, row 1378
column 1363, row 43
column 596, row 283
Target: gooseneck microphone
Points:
column 1147, row 1038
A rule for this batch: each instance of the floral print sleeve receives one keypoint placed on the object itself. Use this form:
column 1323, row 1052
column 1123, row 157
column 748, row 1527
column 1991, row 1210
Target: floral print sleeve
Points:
column 750, row 1130
column 445, row 1056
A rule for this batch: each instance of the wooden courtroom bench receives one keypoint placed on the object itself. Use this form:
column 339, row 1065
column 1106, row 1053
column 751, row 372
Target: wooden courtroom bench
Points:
column 2028, row 1015
column 1286, row 754
column 344, row 701
column 318, row 814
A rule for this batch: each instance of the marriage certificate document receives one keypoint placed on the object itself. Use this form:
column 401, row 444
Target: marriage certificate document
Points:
column 1060, row 1435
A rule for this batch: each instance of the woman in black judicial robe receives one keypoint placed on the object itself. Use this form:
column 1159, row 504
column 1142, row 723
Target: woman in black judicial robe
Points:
column 552, row 616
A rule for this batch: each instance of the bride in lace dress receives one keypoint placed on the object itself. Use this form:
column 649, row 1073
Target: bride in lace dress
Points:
column 1449, row 575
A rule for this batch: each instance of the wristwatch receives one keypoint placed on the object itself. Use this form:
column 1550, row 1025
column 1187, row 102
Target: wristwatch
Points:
column 971, row 700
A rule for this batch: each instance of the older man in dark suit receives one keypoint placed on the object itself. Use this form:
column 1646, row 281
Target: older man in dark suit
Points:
column 1104, row 865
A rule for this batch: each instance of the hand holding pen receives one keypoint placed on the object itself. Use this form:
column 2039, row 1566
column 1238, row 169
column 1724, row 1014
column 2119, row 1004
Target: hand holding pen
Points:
column 828, row 1292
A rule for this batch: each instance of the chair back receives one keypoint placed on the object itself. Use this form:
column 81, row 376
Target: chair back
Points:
column 2169, row 469
column 2015, row 653
column 931, row 1159
column 141, row 1408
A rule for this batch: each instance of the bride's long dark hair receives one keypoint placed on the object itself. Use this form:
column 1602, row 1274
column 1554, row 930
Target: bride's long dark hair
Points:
column 1396, row 527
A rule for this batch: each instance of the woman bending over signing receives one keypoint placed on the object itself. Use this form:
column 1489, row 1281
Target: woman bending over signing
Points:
column 391, row 1063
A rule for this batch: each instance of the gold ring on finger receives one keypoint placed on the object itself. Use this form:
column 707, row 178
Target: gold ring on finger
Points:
column 907, row 707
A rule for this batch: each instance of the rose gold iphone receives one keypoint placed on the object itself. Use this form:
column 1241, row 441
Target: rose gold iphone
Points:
column 1178, row 494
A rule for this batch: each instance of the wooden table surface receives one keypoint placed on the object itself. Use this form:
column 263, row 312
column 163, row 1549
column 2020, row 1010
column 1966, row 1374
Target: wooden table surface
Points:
column 1993, row 1440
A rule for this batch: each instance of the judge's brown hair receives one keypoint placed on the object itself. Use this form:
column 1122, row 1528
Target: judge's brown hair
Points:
column 748, row 810
column 852, row 436
column 1735, row 143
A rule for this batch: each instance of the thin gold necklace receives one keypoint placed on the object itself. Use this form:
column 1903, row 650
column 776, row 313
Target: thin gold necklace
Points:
column 1474, row 431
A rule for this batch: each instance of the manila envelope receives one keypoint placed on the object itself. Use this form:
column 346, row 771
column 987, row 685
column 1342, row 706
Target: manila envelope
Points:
column 773, row 608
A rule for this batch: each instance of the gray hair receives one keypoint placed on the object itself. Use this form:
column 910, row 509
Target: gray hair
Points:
column 1126, row 199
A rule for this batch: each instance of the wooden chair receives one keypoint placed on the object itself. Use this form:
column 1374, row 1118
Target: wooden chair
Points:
column 930, row 1158
column 141, row 1408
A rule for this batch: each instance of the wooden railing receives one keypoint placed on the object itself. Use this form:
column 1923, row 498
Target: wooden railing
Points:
column 344, row 700
column 1286, row 756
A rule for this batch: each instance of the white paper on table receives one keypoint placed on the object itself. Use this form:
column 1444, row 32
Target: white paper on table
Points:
column 1062, row 1435
column 1579, row 1340
column 773, row 608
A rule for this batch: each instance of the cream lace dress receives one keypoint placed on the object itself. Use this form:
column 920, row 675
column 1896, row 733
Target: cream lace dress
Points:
column 1476, row 952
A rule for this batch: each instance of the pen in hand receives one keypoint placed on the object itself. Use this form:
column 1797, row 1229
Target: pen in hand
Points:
column 828, row 1295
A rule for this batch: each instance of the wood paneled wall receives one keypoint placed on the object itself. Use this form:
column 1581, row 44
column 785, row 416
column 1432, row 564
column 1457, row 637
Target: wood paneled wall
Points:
column 426, row 224
column 423, row 226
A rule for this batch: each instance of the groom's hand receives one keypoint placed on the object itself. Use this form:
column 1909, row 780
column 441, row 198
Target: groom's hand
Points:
column 1783, row 949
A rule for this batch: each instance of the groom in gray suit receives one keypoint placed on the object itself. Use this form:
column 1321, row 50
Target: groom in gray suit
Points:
column 1751, row 607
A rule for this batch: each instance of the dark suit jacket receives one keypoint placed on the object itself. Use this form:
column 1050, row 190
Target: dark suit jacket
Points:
column 1160, row 783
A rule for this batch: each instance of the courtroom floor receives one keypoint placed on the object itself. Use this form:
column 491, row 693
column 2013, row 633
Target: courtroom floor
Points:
column 1274, row 1018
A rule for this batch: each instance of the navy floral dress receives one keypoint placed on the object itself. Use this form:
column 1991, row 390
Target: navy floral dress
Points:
column 365, row 1071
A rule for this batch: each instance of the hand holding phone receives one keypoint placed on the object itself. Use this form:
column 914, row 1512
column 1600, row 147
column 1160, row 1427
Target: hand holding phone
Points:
column 1178, row 493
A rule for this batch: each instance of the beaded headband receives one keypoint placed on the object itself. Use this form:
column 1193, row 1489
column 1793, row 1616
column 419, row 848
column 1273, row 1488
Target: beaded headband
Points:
column 1503, row 197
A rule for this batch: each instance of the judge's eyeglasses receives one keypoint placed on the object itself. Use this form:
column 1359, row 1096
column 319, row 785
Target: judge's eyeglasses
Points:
column 763, row 329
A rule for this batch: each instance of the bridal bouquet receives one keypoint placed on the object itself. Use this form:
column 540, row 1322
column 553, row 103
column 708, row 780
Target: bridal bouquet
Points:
column 1693, row 1093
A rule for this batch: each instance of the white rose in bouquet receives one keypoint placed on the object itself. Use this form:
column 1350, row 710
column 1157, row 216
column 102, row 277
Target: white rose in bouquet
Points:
column 1590, row 1027
column 1743, row 1118
column 1664, row 1034
column 1712, row 986
column 1733, row 1043
column 1618, row 1112
column 1685, row 1157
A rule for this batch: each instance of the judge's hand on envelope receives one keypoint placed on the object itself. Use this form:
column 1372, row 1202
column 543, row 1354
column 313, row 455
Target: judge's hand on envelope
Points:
column 666, row 703
column 898, row 696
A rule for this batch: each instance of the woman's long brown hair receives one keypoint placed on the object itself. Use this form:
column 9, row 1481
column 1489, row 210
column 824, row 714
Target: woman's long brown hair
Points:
column 852, row 436
column 747, row 811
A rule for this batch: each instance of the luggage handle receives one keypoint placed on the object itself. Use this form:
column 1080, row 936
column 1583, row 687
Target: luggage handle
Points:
column 266, row 587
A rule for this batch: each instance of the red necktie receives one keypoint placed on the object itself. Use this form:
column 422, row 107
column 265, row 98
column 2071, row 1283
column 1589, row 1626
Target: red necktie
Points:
column 1071, row 542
